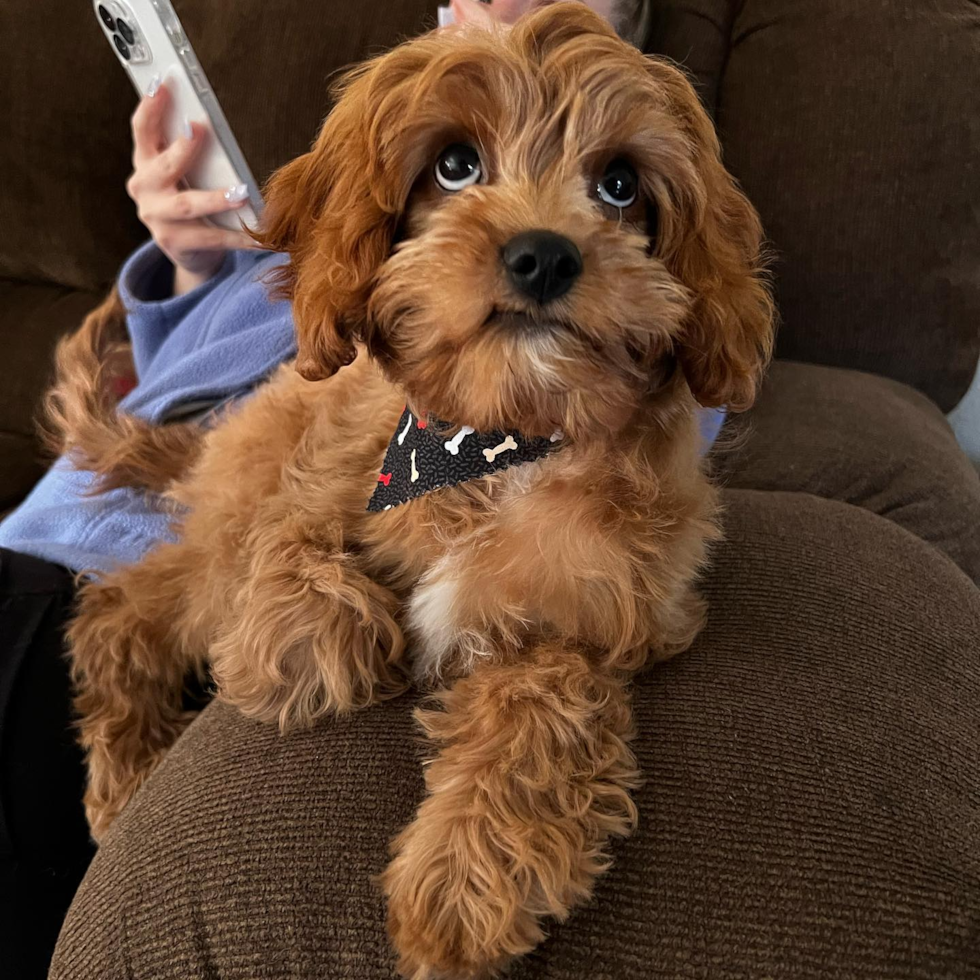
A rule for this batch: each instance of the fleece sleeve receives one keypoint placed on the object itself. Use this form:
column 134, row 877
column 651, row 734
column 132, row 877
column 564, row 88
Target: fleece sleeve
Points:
column 146, row 289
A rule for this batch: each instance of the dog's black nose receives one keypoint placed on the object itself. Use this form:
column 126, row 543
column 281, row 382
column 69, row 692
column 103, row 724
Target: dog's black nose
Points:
column 541, row 264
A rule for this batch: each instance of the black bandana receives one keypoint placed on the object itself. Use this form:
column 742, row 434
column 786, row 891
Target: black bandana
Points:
column 421, row 457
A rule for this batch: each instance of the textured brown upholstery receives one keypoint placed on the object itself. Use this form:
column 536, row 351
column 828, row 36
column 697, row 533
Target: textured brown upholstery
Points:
column 810, row 810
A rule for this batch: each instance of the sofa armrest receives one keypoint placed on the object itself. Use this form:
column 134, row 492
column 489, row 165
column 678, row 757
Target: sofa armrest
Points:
column 864, row 440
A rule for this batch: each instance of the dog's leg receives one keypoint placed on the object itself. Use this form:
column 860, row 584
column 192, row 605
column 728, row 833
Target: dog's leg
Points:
column 130, row 659
column 532, row 779
column 309, row 633
column 677, row 626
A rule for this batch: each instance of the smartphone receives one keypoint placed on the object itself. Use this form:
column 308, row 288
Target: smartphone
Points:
column 149, row 42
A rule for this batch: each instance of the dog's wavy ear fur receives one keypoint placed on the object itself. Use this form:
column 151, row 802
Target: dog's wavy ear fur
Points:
column 720, row 257
column 335, row 212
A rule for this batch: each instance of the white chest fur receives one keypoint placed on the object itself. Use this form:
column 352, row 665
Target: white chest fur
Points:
column 434, row 617
column 440, row 614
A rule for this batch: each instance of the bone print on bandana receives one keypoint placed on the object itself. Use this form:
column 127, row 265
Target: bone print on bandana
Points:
column 422, row 456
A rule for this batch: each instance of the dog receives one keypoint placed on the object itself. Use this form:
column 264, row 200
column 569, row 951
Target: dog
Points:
column 526, row 232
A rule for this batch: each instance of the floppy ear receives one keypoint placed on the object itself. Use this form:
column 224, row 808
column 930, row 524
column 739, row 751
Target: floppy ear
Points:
column 728, row 338
column 335, row 212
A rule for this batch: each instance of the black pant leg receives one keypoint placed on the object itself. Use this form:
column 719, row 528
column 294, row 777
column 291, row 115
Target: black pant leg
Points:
column 44, row 842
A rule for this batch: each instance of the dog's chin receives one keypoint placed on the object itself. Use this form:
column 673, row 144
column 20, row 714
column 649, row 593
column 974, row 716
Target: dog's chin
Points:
column 531, row 374
column 523, row 324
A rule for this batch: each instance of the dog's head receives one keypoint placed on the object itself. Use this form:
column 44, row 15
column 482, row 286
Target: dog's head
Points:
column 526, row 228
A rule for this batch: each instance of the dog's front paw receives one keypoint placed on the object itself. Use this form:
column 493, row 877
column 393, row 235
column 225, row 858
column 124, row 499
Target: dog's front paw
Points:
column 455, row 911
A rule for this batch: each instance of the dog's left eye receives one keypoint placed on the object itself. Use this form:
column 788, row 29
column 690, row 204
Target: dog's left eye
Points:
column 617, row 186
column 458, row 166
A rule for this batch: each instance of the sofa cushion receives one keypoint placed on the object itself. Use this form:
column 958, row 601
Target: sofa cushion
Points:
column 853, row 127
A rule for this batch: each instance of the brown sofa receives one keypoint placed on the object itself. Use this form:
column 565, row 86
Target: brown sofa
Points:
column 812, row 801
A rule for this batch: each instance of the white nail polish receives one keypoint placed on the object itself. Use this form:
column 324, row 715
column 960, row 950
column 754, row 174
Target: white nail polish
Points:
column 155, row 84
column 237, row 193
column 187, row 129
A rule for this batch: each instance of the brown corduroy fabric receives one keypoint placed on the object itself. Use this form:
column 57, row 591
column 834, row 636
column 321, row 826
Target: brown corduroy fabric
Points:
column 811, row 806
column 860, row 439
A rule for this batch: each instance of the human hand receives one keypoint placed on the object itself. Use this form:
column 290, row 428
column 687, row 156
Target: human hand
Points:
column 173, row 216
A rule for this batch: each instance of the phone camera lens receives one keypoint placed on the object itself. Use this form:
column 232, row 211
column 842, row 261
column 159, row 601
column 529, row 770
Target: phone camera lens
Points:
column 125, row 30
column 107, row 18
column 121, row 46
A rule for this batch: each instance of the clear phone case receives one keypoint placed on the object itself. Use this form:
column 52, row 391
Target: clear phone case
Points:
column 149, row 41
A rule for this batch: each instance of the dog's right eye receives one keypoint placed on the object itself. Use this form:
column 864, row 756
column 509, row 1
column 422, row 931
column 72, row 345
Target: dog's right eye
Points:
column 458, row 166
column 617, row 188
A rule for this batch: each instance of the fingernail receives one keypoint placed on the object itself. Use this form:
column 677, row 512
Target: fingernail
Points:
column 237, row 193
column 188, row 130
column 155, row 84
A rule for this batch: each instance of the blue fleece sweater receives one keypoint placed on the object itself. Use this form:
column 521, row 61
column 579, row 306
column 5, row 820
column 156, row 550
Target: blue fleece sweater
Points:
column 204, row 348
column 210, row 345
